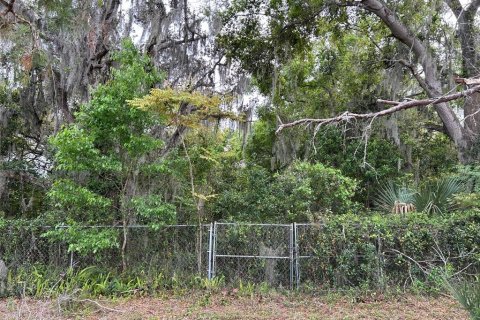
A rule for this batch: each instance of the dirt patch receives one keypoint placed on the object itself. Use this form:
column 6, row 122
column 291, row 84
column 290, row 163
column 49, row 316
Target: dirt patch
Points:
column 228, row 306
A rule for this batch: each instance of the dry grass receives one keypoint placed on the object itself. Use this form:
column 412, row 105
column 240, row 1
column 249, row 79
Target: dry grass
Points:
column 229, row 305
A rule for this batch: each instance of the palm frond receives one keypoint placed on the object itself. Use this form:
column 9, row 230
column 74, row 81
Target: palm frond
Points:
column 389, row 194
column 437, row 198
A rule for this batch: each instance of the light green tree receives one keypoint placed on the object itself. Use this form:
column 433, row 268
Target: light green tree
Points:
column 103, row 162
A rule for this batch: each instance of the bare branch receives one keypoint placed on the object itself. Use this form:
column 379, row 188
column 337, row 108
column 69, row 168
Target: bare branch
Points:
column 424, row 56
column 424, row 270
column 397, row 106
column 417, row 76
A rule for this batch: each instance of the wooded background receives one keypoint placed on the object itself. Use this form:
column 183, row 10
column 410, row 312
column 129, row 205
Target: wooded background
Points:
column 275, row 111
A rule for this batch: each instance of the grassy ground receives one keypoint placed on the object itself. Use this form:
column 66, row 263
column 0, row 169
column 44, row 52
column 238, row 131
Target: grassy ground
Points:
column 231, row 305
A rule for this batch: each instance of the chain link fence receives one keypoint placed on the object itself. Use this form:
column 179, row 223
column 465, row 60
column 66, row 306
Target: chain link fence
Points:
column 280, row 255
column 253, row 252
column 172, row 250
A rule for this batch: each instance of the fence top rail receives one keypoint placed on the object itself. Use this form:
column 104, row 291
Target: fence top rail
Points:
column 120, row 227
column 178, row 225
column 255, row 224
column 302, row 224
column 133, row 226
column 169, row 225
column 250, row 256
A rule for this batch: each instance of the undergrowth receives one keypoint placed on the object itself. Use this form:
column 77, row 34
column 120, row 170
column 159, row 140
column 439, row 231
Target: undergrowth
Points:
column 44, row 282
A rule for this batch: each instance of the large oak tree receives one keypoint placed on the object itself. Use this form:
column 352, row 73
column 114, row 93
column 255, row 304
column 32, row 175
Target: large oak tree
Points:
column 273, row 31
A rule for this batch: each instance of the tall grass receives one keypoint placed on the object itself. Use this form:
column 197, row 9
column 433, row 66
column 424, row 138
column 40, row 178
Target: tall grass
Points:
column 467, row 293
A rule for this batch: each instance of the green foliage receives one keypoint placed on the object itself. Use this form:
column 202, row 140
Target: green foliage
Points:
column 330, row 191
column 301, row 192
column 330, row 147
column 368, row 164
column 109, row 119
column 84, row 240
column 77, row 203
column 211, row 156
column 389, row 193
column 22, row 191
column 347, row 249
column 246, row 196
column 433, row 154
column 466, row 201
column 102, row 159
column 153, row 210
column 75, row 150
column 470, row 176
column 467, row 293
column 213, row 284
column 246, row 289
column 314, row 59
column 317, row 59
column 259, row 147
column 436, row 198
column 61, row 13
column 92, row 281
column 166, row 103
column 350, row 251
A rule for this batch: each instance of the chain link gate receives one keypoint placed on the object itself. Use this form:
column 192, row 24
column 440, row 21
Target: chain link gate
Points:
column 254, row 252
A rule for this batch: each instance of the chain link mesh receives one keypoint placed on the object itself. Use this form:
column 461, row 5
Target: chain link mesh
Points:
column 254, row 252
column 280, row 255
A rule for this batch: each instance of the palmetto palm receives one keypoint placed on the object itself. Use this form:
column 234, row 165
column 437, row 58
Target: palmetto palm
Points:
column 433, row 198
column 389, row 194
column 437, row 197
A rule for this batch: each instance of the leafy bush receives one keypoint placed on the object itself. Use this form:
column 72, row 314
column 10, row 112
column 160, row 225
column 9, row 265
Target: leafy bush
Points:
column 380, row 250
column 347, row 251
column 323, row 189
column 437, row 198
column 302, row 192
column 102, row 162
column 389, row 194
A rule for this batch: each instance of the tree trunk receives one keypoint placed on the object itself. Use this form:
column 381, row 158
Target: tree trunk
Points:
column 467, row 33
column 431, row 83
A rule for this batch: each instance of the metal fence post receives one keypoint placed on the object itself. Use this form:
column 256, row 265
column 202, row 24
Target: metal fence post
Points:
column 210, row 236
column 296, row 254
column 380, row 262
column 292, row 262
column 214, row 250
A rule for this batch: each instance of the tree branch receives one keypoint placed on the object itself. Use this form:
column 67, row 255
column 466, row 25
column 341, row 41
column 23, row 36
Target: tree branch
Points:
column 417, row 76
column 455, row 6
column 473, row 7
column 397, row 106
column 456, row 131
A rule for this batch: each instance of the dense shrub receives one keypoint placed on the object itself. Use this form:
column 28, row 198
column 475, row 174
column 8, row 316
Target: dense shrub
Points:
column 344, row 251
column 397, row 250
column 301, row 192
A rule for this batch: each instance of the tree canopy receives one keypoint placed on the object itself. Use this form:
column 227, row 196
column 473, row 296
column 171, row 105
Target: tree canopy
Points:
column 117, row 113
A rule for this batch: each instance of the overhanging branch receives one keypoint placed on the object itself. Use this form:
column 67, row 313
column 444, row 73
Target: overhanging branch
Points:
column 397, row 106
